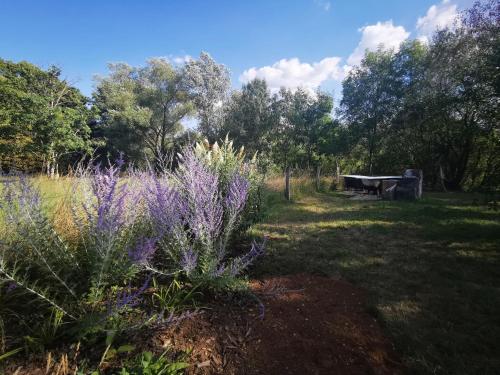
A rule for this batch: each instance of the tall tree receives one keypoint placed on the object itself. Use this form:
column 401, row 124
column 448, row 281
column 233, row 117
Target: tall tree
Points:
column 369, row 101
column 42, row 118
column 208, row 84
column 141, row 108
column 249, row 116
column 303, row 119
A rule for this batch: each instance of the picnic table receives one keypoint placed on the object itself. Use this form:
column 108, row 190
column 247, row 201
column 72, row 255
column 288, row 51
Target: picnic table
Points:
column 375, row 183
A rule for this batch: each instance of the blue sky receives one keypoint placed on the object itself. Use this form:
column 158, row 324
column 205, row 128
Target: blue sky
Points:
column 307, row 43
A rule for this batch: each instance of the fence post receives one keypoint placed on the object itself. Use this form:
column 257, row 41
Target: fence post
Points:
column 288, row 193
column 318, row 178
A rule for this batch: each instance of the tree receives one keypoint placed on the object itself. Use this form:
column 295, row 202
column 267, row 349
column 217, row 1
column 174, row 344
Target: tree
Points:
column 303, row 120
column 249, row 116
column 419, row 108
column 369, row 101
column 208, row 85
column 141, row 108
column 42, row 118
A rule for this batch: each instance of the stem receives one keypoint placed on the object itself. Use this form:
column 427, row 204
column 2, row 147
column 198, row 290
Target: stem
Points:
column 31, row 290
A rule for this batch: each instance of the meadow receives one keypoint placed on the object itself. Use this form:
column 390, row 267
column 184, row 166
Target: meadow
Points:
column 431, row 267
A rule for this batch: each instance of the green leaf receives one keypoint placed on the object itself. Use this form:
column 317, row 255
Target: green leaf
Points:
column 10, row 353
column 178, row 366
column 127, row 348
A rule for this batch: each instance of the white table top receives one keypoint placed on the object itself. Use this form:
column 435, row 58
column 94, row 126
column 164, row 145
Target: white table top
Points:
column 372, row 177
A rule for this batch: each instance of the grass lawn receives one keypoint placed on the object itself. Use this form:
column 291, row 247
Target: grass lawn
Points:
column 431, row 268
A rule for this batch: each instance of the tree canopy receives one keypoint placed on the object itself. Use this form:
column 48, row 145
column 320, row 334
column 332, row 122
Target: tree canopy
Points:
column 427, row 105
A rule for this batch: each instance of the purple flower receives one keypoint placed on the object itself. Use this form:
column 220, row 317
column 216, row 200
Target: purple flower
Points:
column 241, row 263
column 189, row 260
column 237, row 193
column 201, row 189
column 11, row 286
column 127, row 298
column 143, row 251
column 109, row 212
column 21, row 202
column 166, row 206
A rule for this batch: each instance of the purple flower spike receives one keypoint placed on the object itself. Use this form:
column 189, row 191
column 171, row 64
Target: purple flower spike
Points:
column 143, row 251
column 166, row 206
column 201, row 188
column 189, row 261
column 237, row 193
column 245, row 261
column 128, row 298
column 110, row 210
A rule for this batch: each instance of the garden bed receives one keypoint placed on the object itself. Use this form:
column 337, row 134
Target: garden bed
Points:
column 311, row 325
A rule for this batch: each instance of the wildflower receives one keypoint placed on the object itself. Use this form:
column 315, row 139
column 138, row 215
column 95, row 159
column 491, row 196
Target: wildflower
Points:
column 127, row 298
column 201, row 188
column 143, row 251
column 237, row 193
column 189, row 261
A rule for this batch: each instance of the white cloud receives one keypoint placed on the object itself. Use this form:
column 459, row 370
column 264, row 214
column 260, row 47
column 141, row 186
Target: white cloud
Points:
column 291, row 73
column 382, row 33
column 325, row 5
column 438, row 17
column 175, row 59
column 181, row 59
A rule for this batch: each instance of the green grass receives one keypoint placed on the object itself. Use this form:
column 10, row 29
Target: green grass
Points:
column 431, row 268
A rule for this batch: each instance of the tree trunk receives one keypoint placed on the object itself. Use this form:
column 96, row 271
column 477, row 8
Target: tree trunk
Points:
column 288, row 193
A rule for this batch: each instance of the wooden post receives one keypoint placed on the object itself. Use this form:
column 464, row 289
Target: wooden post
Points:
column 420, row 185
column 318, row 178
column 288, row 193
column 441, row 178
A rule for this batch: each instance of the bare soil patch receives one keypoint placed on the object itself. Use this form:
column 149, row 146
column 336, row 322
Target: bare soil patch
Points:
column 305, row 325
column 311, row 325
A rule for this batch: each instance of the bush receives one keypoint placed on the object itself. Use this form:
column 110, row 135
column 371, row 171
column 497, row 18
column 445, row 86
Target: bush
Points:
column 195, row 210
column 177, row 225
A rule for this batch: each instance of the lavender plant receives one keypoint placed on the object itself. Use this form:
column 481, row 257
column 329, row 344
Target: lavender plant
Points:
column 105, row 211
column 46, row 272
column 33, row 257
column 176, row 225
column 195, row 211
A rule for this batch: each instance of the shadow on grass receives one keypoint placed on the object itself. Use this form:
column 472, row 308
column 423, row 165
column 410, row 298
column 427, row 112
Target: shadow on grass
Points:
column 431, row 269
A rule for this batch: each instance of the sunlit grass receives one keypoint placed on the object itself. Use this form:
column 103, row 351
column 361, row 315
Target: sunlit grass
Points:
column 430, row 267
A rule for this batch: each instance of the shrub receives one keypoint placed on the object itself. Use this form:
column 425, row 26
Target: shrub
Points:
column 47, row 276
column 195, row 210
column 177, row 225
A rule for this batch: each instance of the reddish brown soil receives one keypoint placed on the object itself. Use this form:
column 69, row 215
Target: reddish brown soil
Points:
column 312, row 325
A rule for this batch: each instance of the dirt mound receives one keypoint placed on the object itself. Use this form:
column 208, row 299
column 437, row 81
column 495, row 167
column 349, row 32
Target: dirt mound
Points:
column 311, row 325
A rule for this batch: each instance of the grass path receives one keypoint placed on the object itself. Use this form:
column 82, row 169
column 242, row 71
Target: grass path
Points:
column 431, row 269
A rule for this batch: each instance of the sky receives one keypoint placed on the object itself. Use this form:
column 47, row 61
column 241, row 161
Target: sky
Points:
column 291, row 43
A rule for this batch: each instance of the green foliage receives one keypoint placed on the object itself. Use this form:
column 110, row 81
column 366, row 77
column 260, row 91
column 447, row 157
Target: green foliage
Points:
column 43, row 120
column 140, row 109
column 226, row 161
column 148, row 364
column 208, row 84
column 175, row 297
column 417, row 108
column 249, row 116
